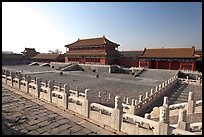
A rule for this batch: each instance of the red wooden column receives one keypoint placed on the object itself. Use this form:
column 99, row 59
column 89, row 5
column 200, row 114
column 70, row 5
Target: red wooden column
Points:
column 193, row 66
column 169, row 65
column 180, row 65
column 157, row 63
column 147, row 64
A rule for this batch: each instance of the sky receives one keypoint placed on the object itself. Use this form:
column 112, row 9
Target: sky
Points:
column 134, row 25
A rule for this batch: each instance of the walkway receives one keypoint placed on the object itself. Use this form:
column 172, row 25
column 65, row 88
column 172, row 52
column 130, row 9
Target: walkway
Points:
column 24, row 114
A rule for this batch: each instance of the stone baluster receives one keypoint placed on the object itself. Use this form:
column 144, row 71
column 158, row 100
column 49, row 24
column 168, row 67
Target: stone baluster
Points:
column 124, row 99
column 50, row 89
column 19, row 80
column 99, row 96
column 187, row 79
column 127, row 100
column 59, row 87
column 132, row 107
column 7, row 74
column 159, row 86
column 166, row 102
column 168, row 81
column 45, row 83
column 12, row 77
column 86, row 103
column 66, row 96
column 182, row 119
column 136, row 102
column 147, row 115
column 147, row 95
column 163, row 127
column 140, row 98
column 151, row 92
column 27, row 80
column 116, row 118
column 156, row 89
column 38, row 87
column 191, row 103
column 163, row 85
column 77, row 91
column 199, row 81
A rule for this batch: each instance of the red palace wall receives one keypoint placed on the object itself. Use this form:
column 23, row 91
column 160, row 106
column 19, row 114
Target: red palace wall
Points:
column 107, row 61
column 188, row 65
column 66, row 60
column 199, row 66
column 175, row 65
column 128, row 62
column 82, row 60
column 144, row 63
column 163, row 65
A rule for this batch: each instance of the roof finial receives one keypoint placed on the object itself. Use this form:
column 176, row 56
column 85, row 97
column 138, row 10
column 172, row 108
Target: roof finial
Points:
column 103, row 36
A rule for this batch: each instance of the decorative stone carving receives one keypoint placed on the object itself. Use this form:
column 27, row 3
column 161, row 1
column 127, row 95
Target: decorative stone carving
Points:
column 140, row 98
column 118, row 102
column 190, row 96
column 164, row 114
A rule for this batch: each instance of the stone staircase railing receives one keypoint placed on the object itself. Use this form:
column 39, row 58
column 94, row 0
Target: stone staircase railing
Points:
column 79, row 103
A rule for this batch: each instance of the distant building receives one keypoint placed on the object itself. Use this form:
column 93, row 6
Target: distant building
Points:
column 169, row 58
column 129, row 58
column 48, row 57
column 95, row 51
column 198, row 53
column 29, row 52
column 12, row 58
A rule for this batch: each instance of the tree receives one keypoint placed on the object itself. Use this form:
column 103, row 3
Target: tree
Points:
column 57, row 51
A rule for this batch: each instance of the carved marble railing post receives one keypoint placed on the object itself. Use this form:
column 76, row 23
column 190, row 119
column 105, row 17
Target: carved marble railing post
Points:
column 198, row 81
column 46, row 83
column 127, row 100
column 151, row 92
column 182, row 119
column 117, row 114
column 140, row 98
column 19, row 80
column 27, row 81
column 160, row 86
column 12, row 77
column 191, row 103
column 99, row 97
column 7, row 74
column 59, row 87
column 147, row 116
column 168, row 81
column 165, row 83
column 166, row 102
column 38, row 87
column 50, row 89
column 187, row 79
column 156, row 89
column 124, row 99
column 77, row 91
column 147, row 95
column 163, row 127
column 66, row 96
column 86, row 103
column 136, row 102
column 132, row 107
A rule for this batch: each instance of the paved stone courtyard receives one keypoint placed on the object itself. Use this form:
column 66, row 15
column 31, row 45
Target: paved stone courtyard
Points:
column 24, row 115
column 124, row 85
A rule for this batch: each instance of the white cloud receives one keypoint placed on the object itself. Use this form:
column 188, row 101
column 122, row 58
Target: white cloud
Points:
column 23, row 27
